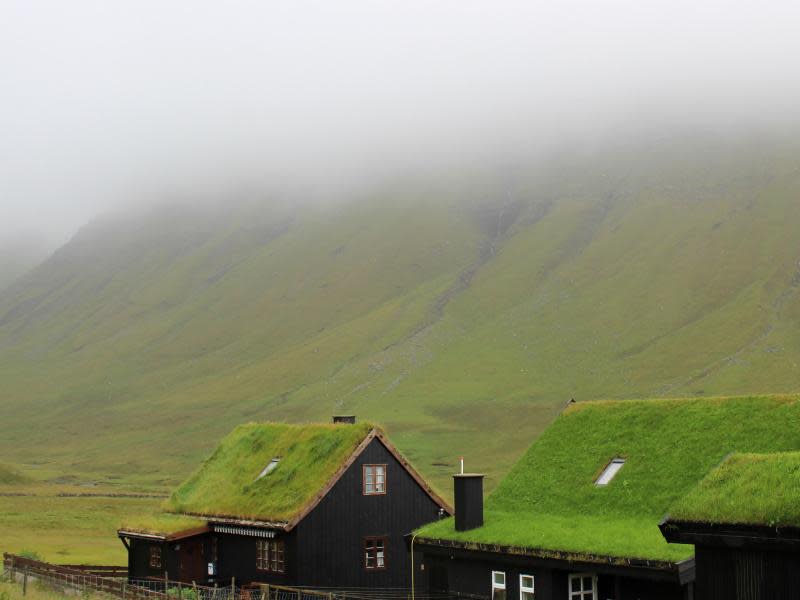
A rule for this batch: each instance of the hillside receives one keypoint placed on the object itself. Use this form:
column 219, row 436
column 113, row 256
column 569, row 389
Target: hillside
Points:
column 461, row 311
column 18, row 255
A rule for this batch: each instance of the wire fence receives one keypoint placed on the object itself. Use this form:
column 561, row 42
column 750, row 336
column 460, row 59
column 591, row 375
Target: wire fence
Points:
column 113, row 581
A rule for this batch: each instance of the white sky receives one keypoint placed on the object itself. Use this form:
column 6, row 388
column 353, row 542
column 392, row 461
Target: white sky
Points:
column 116, row 102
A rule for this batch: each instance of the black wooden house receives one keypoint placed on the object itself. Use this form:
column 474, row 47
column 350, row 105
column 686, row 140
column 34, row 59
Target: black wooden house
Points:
column 744, row 522
column 299, row 505
column 577, row 518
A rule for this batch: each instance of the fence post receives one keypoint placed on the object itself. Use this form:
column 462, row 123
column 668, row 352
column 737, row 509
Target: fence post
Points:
column 124, row 588
column 233, row 588
column 25, row 581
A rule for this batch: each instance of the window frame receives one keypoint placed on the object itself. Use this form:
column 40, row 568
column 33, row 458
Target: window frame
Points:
column 270, row 556
column 374, row 539
column 581, row 593
column 364, row 469
column 523, row 589
column 610, row 472
column 155, row 556
column 496, row 586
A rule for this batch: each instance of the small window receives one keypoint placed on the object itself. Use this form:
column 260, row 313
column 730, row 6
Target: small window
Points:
column 273, row 464
column 374, row 553
column 155, row 557
column 610, row 471
column 526, row 587
column 583, row 586
column 270, row 556
column 498, row 585
column 374, row 479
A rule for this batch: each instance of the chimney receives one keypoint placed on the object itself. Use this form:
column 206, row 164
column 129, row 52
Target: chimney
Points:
column 344, row 419
column 468, row 492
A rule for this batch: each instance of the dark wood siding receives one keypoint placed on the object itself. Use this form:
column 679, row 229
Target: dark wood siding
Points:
column 330, row 540
column 468, row 574
column 746, row 574
column 237, row 558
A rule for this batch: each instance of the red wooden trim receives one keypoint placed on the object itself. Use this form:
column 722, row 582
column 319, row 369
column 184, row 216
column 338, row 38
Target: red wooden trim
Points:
column 375, row 538
column 364, row 491
column 414, row 474
column 268, row 568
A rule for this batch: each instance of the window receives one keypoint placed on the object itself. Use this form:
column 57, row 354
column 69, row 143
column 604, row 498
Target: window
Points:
column 610, row 471
column 374, row 553
column 498, row 585
column 155, row 557
column 526, row 587
column 269, row 468
column 583, row 586
column 374, row 479
column 269, row 556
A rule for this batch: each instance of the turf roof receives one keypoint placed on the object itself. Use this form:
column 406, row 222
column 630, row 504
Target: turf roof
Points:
column 161, row 523
column 549, row 501
column 227, row 483
column 746, row 489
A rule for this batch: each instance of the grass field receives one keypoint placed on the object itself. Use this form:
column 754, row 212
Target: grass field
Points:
column 67, row 530
column 35, row 591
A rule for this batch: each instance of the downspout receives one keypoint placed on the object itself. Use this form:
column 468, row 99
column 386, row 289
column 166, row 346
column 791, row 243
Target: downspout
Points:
column 413, row 568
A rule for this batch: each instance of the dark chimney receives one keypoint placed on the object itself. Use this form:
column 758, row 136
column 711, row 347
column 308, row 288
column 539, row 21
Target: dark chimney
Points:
column 468, row 491
column 339, row 419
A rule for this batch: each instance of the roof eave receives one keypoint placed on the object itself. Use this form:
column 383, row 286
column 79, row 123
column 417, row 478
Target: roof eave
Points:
column 583, row 557
column 728, row 534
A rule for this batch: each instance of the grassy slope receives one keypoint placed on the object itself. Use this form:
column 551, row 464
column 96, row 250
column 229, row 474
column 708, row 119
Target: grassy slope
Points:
column 753, row 489
column 227, row 483
column 449, row 311
column 549, row 499
column 11, row 475
column 67, row 529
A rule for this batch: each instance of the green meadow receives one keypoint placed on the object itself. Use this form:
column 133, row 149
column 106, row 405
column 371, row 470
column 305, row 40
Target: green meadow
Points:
column 460, row 311
column 67, row 529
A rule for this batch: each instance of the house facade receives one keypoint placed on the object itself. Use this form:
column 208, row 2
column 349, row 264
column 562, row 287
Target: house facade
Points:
column 577, row 518
column 743, row 520
column 348, row 532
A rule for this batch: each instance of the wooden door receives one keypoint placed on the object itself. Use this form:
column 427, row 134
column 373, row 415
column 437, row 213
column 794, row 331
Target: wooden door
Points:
column 191, row 562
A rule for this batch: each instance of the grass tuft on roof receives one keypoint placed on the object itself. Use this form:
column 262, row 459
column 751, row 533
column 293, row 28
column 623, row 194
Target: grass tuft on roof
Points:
column 549, row 499
column 228, row 485
column 161, row 523
column 746, row 489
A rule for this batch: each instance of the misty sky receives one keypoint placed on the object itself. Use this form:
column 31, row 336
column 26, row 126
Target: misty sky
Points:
column 115, row 102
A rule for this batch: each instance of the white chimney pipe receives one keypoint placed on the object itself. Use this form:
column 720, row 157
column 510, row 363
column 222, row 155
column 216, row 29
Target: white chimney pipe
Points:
column 462, row 465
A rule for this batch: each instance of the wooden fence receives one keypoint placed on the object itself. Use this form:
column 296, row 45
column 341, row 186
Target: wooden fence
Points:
column 84, row 579
column 113, row 581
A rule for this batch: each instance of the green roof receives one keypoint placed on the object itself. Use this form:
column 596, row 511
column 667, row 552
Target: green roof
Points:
column 227, row 484
column 549, row 501
column 746, row 489
column 165, row 524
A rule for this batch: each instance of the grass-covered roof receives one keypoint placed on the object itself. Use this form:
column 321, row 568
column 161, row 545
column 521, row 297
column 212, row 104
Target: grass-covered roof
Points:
column 164, row 524
column 227, row 484
column 549, row 500
column 746, row 489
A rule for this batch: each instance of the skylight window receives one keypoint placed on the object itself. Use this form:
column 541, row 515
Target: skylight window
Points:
column 269, row 468
column 610, row 471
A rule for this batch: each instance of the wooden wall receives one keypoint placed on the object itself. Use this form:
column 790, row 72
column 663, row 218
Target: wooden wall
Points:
column 330, row 540
column 746, row 574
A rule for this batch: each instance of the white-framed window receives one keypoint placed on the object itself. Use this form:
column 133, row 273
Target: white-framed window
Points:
column 498, row 585
column 583, row 586
column 526, row 587
column 610, row 471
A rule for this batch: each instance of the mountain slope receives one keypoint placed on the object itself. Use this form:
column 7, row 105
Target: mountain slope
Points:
column 461, row 311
